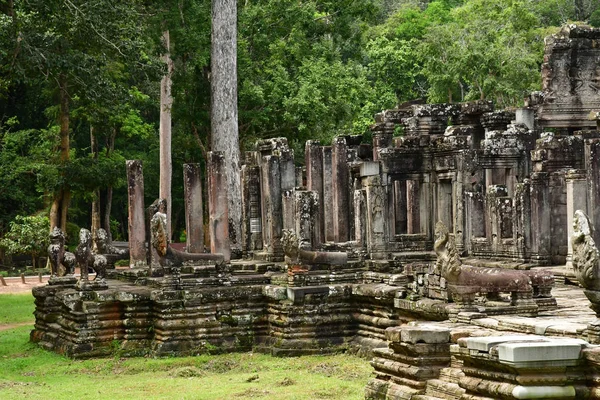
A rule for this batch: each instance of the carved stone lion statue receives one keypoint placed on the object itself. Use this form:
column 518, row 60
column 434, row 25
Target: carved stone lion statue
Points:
column 586, row 256
column 448, row 261
column 56, row 250
column 62, row 262
column 86, row 259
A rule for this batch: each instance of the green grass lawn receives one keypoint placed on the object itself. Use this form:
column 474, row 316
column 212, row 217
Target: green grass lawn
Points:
column 28, row 372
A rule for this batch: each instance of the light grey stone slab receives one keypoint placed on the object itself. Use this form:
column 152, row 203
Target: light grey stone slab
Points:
column 547, row 351
column 485, row 343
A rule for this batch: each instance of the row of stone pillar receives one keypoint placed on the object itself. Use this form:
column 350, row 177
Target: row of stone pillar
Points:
column 194, row 212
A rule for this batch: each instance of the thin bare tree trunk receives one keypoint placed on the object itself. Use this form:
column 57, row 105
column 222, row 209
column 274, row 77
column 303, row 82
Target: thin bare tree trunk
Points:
column 224, row 110
column 166, row 102
column 110, row 146
column 96, row 200
column 60, row 204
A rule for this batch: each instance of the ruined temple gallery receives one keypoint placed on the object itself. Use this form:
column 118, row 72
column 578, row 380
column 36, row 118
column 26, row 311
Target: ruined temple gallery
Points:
column 457, row 251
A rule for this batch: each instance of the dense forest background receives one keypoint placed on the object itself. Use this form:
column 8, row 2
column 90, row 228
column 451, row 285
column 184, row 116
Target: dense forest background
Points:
column 80, row 81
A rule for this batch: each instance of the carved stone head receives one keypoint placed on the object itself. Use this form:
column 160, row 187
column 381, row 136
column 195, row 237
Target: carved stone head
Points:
column 158, row 227
column 57, row 236
column 290, row 244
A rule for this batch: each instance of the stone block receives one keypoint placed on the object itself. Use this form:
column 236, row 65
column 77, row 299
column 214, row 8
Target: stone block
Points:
column 275, row 292
column 369, row 168
column 419, row 334
column 486, row 343
column 543, row 392
column 546, row 351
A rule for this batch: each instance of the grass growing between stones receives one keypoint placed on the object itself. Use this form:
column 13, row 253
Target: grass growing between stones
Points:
column 30, row 372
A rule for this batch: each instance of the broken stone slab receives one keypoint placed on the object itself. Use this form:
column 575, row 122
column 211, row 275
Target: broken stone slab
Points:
column 429, row 334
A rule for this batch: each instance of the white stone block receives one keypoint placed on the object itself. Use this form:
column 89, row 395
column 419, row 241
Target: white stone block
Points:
column 424, row 334
column 547, row 351
column 543, row 392
column 485, row 343
column 369, row 168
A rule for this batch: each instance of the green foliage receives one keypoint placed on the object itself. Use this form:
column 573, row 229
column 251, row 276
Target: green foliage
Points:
column 595, row 19
column 487, row 50
column 27, row 235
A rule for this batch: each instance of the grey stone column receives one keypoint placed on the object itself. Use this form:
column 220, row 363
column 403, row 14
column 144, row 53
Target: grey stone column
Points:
column 413, row 220
column 400, row 207
column 288, row 210
column 376, row 216
column 306, row 217
column 540, row 217
column 523, row 218
column 327, row 199
column 218, row 215
column 593, row 170
column 360, row 217
column 341, row 203
column 287, row 169
column 251, row 208
column 194, row 213
column 314, row 181
column 137, row 224
column 576, row 200
column 272, row 206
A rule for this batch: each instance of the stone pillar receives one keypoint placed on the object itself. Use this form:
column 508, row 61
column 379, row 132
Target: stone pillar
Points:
column 287, row 169
column 194, row 214
column 272, row 206
column 413, row 220
column 540, row 217
column 376, row 216
column 426, row 207
column 306, row 217
column 360, row 217
column 400, row 207
column 495, row 197
column 475, row 205
column 300, row 178
column 218, row 215
column 314, row 180
column 137, row 224
column 523, row 218
column 576, row 200
column 327, row 198
column 593, row 170
column 340, row 174
column 251, row 208
column 288, row 210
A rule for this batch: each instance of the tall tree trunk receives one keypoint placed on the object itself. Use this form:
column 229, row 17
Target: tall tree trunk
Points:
column 224, row 110
column 96, row 199
column 110, row 146
column 166, row 102
column 60, row 204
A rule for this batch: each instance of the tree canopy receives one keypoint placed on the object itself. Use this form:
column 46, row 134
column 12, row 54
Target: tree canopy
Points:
column 80, row 81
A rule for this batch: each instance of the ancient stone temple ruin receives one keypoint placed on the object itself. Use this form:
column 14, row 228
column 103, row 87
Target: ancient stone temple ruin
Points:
column 422, row 249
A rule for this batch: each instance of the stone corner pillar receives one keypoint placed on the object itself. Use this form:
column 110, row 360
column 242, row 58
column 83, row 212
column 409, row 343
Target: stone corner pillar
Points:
column 218, row 215
column 137, row 223
column 576, row 200
column 341, row 201
column 194, row 213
